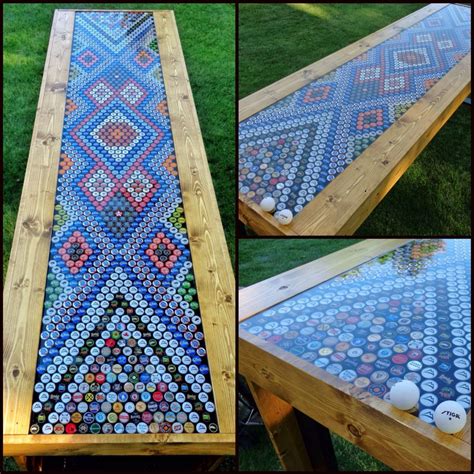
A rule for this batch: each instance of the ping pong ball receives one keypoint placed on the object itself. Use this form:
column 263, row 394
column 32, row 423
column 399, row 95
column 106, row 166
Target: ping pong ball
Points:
column 267, row 204
column 450, row 417
column 404, row 395
column 284, row 217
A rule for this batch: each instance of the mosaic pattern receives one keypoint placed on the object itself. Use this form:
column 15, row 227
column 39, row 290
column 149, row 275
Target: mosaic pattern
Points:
column 403, row 315
column 292, row 149
column 122, row 347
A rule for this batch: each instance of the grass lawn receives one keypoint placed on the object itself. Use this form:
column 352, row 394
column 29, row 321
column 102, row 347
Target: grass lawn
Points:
column 258, row 454
column 434, row 195
column 261, row 259
column 207, row 35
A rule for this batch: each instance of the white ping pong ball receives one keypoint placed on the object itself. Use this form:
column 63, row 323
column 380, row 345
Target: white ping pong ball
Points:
column 267, row 204
column 284, row 217
column 450, row 417
column 404, row 395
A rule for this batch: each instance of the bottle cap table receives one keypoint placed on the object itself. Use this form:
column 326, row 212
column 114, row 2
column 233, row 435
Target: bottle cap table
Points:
column 331, row 337
column 143, row 361
column 329, row 141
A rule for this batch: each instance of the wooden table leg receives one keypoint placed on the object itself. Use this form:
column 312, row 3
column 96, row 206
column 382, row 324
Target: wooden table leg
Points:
column 29, row 463
column 317, row 440
column 300, row 443
column 35, row 463
column 21, row 462
column 192, row 463
column 214, row 463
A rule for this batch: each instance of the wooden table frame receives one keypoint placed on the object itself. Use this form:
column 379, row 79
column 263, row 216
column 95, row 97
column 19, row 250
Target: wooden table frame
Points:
column 282, row 382
column 347, row 201
column 26, row 277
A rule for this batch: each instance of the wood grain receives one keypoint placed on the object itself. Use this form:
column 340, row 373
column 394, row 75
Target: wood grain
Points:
column 283, row 430
column 214, row 277
column 261, row 222
column 26, row 276
column 398, row 439
column 118, row 445
column 267, row 96
column 21, row 462
column 465, row 433
column 342, row 206
column 256, row 298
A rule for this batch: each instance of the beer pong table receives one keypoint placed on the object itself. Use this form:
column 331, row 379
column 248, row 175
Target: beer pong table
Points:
column 119, row 297
column 328, row 142
column 320, row 346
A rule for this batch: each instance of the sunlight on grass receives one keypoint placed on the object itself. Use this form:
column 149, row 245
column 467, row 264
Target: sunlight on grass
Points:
column 12, row 59
column 311, row 9
column 258, row 261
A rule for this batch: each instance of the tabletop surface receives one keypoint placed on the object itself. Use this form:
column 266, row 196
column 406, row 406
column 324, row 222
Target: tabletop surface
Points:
column 292, row 149
column 122, row 346
column 402, row 315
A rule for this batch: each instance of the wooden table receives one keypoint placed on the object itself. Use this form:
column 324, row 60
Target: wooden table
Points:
column 26, row 278
column 346, row 201
column 299, row 401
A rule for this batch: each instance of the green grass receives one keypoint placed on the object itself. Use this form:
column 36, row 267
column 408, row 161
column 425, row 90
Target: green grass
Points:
column 9, row 465
column 263, row 258
column 207, row 34
column 434, row 195
column 260, row 259
column 258, row 455
column 256, row 451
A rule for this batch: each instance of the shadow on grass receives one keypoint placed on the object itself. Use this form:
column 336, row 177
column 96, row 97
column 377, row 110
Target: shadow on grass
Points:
column 256, row 453
column 434, row 196
column 277, row 39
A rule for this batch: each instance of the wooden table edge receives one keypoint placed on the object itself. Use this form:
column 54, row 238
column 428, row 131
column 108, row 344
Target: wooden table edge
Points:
column 25, row 281
column 119, row 445
column 268, row 366
column 292, row 282
column 211, row 262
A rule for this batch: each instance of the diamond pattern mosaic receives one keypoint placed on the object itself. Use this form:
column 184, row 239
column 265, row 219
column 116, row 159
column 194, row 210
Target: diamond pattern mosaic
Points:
column 403, row 315
column 122, row 346
column 292, row 149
